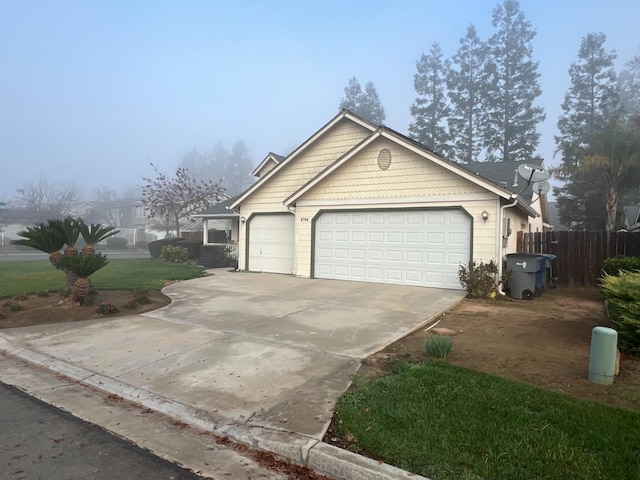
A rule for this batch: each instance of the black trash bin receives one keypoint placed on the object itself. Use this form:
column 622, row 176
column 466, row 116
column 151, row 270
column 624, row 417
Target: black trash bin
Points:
column 524, row 268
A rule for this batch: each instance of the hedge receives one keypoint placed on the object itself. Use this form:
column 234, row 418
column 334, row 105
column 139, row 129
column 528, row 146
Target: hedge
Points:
column 155, row 247
column 117, row 243
column 217, row 256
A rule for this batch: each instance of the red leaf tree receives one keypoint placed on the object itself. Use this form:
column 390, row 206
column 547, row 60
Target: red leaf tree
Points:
column 178, row 198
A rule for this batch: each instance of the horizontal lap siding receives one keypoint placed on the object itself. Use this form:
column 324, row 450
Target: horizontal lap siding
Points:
column 408, row 177
column 324, row 151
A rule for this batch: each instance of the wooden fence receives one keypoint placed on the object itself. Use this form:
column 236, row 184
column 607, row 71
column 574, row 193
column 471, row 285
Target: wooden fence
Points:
column 579, row 255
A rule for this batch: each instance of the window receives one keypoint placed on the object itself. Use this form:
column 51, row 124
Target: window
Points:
column 219, row 230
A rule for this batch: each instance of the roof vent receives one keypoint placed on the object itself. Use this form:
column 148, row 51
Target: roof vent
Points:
column 384, row 159
column 515, row 178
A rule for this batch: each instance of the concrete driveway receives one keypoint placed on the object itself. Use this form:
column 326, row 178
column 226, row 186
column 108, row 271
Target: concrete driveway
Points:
column 268, row 351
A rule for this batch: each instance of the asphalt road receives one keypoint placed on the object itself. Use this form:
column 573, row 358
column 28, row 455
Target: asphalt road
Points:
column 38, row 441
column 26, row 256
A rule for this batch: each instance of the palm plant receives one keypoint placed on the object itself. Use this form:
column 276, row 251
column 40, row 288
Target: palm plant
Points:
column 94, row 233
column 69, row 229
column 82, row 266
column 44, row 238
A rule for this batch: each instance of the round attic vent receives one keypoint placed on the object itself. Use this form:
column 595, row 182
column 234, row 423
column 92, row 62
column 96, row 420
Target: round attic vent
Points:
column 384, row 159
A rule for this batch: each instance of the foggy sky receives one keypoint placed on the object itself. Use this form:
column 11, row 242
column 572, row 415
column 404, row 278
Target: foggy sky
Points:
column 92, row 91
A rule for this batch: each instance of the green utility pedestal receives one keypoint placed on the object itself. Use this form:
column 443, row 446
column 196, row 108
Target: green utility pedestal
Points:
column 602, row 360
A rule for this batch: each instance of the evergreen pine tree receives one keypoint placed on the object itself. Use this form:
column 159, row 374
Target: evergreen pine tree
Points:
column 464, row 86
column 367, row 104
column 238, row 171
column 510, row 120
column 430, row 109
column 590, row 102
column 629, row 89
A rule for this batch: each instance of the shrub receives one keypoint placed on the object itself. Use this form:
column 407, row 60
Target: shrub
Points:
column 15, row 307
column 612, row 266
column 107, row 308
column 622, row 292
column 155, row 247
column 141, row 296
column 193, row 247
column 21, row 298
column 481, row 279
column 173, row 254
column 132, row 305
column 438, row 346
column 142, row 244
column 43, row 293
column 217, row 256
column 117, row 243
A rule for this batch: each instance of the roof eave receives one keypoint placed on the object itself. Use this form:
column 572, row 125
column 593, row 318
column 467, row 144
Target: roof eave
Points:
column 343, row 114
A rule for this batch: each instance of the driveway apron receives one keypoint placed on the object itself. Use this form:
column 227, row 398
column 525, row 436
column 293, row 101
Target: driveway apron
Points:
column 265, row 350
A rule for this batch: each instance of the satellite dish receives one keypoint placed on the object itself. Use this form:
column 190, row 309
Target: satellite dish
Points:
column 532, row 173
column 542, row 187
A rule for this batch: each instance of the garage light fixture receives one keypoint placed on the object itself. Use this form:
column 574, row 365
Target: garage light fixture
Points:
column 485, row 216
column 242, row 219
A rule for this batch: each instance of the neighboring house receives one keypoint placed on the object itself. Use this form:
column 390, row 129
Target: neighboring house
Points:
column 14, row 220
column 631, row 218
column 362, row 202
column 554, row 218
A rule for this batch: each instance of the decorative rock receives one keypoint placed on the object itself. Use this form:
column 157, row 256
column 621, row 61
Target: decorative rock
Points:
column 443, row 331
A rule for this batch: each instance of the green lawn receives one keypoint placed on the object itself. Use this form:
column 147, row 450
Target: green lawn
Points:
column 39, row 275
column 447, row 422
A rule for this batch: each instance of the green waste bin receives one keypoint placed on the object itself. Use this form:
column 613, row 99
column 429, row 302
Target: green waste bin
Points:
column 523, row 269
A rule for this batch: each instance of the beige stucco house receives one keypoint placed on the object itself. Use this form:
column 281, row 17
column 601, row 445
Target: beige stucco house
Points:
column 362, row 202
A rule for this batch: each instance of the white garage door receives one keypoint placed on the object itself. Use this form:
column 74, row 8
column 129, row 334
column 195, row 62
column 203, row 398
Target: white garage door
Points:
column 408, row 247
column 271, row 243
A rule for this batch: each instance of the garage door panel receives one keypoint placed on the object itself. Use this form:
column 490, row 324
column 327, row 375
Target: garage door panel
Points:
column 354, row 272
column 412, row 247
column 357, row 254
column 414, row 257
column 271, row 243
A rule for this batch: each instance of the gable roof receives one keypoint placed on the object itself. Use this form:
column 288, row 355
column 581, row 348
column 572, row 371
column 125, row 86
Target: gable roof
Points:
column 271, row 157
column 219, row 210
column 344, row 114
column 410, row 144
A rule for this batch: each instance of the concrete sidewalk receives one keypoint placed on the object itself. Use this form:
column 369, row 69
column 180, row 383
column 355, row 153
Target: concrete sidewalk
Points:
column 260, row 358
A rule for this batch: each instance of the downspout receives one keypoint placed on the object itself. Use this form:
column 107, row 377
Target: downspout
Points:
column 500, row 235
column 295, row 240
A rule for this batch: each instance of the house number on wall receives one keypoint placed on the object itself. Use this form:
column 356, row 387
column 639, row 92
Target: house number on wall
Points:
column 304, row 219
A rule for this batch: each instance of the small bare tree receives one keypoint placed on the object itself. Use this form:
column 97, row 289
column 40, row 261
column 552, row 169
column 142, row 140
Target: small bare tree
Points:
column 180, row 197
column 50, row 200
column 111, row 207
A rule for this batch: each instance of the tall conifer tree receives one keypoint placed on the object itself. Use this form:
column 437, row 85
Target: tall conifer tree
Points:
column 430, row 109
column 589, row 103
column 464, row 86
column 511, row 88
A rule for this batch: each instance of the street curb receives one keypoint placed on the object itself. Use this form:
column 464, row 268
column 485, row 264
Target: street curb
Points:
column 319, row 456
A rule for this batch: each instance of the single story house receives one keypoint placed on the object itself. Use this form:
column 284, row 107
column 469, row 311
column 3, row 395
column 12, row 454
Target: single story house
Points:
column 362, row 202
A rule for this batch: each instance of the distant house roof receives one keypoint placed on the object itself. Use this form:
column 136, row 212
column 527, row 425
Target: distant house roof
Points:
column 631, row 217
column 19, row 216
column 504, row 174
column 554, row 218
column 219, row 210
